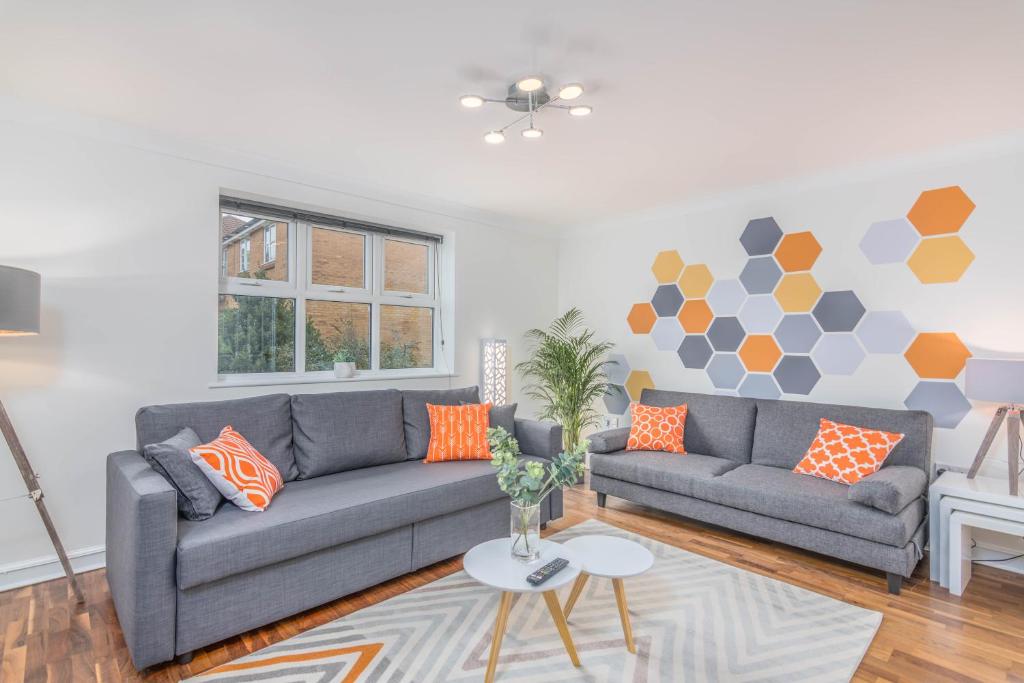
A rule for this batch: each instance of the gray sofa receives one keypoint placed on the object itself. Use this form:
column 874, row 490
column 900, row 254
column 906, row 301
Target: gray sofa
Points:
column 738, row 474
column 380, row 512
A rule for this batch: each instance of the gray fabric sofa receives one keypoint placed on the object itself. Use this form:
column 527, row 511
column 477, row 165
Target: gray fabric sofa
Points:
column 358, row 507
column 737, row 474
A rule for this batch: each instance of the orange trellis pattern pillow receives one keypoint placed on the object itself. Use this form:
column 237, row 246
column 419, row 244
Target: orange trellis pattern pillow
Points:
column 846, row 454
column 656, row 429
column 238, row 470
column 458, row 432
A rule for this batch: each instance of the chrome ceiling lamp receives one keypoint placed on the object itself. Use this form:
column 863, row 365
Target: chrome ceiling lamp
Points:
column 529, row 95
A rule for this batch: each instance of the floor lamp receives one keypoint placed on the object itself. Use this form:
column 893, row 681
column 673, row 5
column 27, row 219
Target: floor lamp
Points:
column 999, row 381
column 19, row 316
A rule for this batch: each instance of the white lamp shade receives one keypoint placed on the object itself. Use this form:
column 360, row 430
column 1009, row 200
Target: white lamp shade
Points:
column 997, row 381
column 19, row 301
column 494, row 371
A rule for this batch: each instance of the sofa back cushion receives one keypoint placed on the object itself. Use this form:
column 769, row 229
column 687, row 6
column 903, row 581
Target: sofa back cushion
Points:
column 721, row 426
column 785, row 430
column 417, row 422
column 347, row 430
column 264, row 421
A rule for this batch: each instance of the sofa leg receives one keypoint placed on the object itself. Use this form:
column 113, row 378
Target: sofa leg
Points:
column 895, row 582
column 543, row 526
column 602, row 498
column 184, row 658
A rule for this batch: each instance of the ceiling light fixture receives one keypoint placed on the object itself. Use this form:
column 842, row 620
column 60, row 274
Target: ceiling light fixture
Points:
column 529, row 96
column 532, row 133
column 495, row 137
column 570, row 91
column 471, row 101
column 530, row 83
column 580, row 110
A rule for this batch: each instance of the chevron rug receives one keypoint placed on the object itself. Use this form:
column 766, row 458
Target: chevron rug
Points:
column 694, row 619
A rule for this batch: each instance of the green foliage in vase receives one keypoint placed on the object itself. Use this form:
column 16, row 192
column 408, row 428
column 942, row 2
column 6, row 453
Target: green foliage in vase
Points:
column 529, row 482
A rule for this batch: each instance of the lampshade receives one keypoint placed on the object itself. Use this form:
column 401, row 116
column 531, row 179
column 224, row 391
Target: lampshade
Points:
column 19, row 301
column 998, row 381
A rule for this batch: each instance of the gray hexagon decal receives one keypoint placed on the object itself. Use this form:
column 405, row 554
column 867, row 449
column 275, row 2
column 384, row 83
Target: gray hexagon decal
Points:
column 838, row 311
column 667, row 300
column 760, row 236
column 889, row 241
column 725, row 370
column 759, row 385
column 796, row 374
column 667, row 333
column 943, row 400
column 760, row 275
column 797, row 333
column 726, row 334
column 617, row 368
column 695, row 351
column 885, row 332
column 616, row 400
column 838, row 354
column 760, row 314
column 726, row 297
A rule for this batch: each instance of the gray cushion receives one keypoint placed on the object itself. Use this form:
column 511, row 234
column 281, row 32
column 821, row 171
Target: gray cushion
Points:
column 501, row 416
column 820, row 503
column 785, row 430
column 198, row 498
column 347, row 430
column 890, row 489
column 414, row 412
column 672, row 472
column 609, row 440
column 264, row 421
column 722, row 426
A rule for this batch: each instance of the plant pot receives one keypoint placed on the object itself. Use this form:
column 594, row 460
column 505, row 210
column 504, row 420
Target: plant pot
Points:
column 344, row 370
column 525, row 532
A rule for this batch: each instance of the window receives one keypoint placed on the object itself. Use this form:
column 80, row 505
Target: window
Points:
column 326, row 291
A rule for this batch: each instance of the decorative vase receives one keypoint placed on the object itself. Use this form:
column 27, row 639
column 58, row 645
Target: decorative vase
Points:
column 344, row 370
column 525, row 532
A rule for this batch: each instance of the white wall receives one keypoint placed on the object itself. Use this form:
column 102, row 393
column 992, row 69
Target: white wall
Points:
column 125, row 231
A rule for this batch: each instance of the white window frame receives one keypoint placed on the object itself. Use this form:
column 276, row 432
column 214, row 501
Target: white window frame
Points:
column 244, row 254
column 269, row 243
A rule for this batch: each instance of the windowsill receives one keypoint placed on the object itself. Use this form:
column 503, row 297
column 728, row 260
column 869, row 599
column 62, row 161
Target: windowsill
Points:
column 323, row 378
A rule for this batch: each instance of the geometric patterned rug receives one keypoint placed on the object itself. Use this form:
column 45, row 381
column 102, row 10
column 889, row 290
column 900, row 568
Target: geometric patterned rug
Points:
column 694, row 619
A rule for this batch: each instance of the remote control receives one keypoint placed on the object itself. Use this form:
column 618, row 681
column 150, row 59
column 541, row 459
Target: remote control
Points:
column 547, row 571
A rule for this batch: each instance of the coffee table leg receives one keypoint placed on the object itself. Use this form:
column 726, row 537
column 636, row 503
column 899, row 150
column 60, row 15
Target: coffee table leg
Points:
column 563, row 628
column 620, row 598
column 574, row 594
column 504, row 605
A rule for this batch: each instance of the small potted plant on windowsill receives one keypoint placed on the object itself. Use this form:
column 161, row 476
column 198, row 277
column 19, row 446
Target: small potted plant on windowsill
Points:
column 344, row 364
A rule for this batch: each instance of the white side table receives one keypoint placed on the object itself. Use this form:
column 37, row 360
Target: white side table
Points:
column 960, row 550
column 951, row 505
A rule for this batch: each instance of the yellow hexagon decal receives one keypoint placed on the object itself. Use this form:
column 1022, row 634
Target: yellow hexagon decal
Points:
column 940, row 259
column 637, row 381
column 695, row 281
column 797, row 292
column 667, row 266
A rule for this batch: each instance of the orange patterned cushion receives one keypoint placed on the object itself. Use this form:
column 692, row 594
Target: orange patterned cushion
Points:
column 845, row 453
column 656, row 429
column 459, row 432
column 238, row 470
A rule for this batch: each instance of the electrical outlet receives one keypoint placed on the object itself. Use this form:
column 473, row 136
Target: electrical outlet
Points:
column 609, row 421
column 943, row 467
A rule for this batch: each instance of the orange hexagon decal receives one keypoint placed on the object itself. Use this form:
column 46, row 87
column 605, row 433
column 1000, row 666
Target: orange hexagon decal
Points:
column 695, row 281
column 637, row 381
column 695, row 316
column 760, row 353
column 937, row 355
column 667, row 266
column 940, row 259
column 797, row 251
column 797, row 292
column 940, row 211
column 641, row 318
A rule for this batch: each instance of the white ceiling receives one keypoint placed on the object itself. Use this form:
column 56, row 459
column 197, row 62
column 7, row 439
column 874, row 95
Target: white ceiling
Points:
column 691, row 97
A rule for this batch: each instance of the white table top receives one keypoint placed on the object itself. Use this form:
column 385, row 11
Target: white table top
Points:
column 611, row 557
column 987, row 489
column 491, row 564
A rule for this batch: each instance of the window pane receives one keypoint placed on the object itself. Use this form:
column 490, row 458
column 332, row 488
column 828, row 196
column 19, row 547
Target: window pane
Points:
column 253, row 247
column 407, row 337
column 337, row 332
column 255, row 334
column 405, row 267
column 338, row 258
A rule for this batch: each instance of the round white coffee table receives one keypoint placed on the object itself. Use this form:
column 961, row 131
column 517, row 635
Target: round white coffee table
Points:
column 611, row 558
column 492, row 565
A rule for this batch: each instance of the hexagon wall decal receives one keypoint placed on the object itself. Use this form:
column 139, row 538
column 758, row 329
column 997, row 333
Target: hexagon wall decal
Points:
column 761, row 236
column 937, row 355
column 616, row 369
column 760, row 275
column 725, row 370
column 838, row 311
column 667, row 266
column 760, row 314
column 641, row 318
column 797, row 333
column 940, row 211
column 667, row 333
column 797, row 292
column 838, row 353
column 885, row 332
column 636, row 383
column 759, row 386
column 695, row 315
column 943, row 400
column 889, row 241
column 667, row 300
column 726, row 333
column 796, row 374
column 940, row 259
column 696, row 281
column 726, row 296
column 760, row 353
column 797, row 251
column 695, row 351
column 616, row 400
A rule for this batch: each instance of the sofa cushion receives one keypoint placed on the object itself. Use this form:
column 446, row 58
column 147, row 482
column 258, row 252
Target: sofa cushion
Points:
column 414, row 413
column 779, row 493
column 666, row 471
column 265, row 422
column 347, row 430
column 198, row 498
column 721, row 426
column 890, row 489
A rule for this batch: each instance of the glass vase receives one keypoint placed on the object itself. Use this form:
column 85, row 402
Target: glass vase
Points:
column 525, row 532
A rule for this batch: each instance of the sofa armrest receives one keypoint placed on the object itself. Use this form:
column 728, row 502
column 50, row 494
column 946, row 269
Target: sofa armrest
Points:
column 609, row 440
column 142, row 535
column 543, row 439
column 890, row 489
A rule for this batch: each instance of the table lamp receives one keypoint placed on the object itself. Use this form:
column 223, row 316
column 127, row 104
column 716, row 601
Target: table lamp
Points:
column 19, row 316
column 998, row 381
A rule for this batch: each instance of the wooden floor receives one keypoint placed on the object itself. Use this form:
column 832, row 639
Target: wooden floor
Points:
column 926, row 635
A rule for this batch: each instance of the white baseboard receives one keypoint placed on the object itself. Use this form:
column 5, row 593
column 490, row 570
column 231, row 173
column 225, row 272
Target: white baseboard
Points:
column 28, row 572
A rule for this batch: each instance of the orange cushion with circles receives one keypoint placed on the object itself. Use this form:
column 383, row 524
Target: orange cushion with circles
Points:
column 238, row 471
column 656, row 429
column 459, row 432
column 846, row 454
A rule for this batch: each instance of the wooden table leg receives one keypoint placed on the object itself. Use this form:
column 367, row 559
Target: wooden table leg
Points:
column 504, row 605
column 620, row 598
column 574, row 594
column 563, row 628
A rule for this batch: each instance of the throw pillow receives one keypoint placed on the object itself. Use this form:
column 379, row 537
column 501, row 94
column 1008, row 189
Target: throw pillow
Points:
column 845, row 453
column 198, row 498
column 654, row 428
column 503, row 416
column 458, row 432
column 238, row 470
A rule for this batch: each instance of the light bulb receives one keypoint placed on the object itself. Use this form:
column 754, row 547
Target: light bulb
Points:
column 495, row 137
column 571, row 91
column 532, row 133
column 530, row 83
column 580, row 110
column 471, row 101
